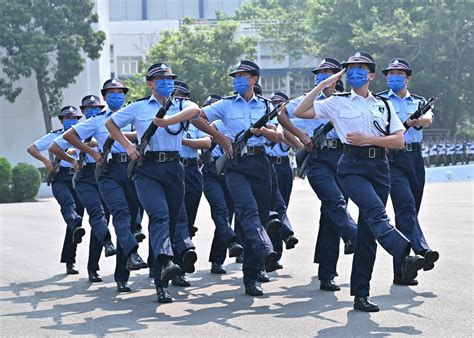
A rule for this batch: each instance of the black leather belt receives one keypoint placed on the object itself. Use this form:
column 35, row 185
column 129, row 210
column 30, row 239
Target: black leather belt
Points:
column 254, row 150
column 331, row 143
column 279, row 159
column 88, row 166
column 189, row 161
column 163, row 156
column 364, row 152
column 412, row 146
column 66, row 170
column 120, row 157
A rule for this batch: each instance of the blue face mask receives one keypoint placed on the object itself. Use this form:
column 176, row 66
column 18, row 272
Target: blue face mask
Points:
column 89, row 112
column 164, row 87
column 320, row 77
column 241, row 85
column 115, row 100
column 357, row 77
column 396, row 82
column 69, row 123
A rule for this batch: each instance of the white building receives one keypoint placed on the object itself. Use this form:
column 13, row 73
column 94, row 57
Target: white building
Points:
column 132, row 27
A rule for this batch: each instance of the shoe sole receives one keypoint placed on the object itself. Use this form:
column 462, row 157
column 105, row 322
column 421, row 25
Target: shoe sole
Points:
column 95, row 280
column 165, row 301
column 413, row 272
column 291, row 243
column 110, row 253
column 430, row 258
column 126, row 290
column 189, row 259
column 328, row 289
column 137, row 267
column 273, row 227
column 236, row 253
column 171, row 274
column 77, row 235
column 397, row 282
column 271, row 262
column 140, row 237
column 357, row 307
column 254, row 295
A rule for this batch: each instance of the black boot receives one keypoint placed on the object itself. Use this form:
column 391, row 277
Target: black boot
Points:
column 135, row 262
column 364, row 304
column 94, row 276
column 163, row 295
column 70, row 270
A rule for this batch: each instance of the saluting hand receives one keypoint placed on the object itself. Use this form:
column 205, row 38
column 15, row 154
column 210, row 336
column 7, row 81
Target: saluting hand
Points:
column 98, row 158
column 132, row 152
column 356, row 138
column 333, row 78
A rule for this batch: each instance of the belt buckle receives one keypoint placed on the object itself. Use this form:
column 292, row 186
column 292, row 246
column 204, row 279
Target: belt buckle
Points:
column 332, row 144
column 161, row 157
column 185, row 162
column 123, row 157
column 250, row 151
column 279, row 160
column 372, row 152
column 71, row 171
column 408, row 147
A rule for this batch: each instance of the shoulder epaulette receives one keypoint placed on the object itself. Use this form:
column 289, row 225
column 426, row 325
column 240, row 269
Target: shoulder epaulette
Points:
column 342, row 94
column 101, row 113
column 230, row 97
column 418, row 97
column 382, row 92
column 142, row 99
column 263, row 98
column 57, row 131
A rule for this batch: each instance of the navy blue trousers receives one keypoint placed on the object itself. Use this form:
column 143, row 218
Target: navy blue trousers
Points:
column 278, row 204
column 335, row 221
column 193, row 187
column 88, row 192
column 160, row 188
column 367, row 183
column 249, row 182
column 71, row 210
column 220, row 201
column 120, row 197
column 285, row 181
column 407, row 175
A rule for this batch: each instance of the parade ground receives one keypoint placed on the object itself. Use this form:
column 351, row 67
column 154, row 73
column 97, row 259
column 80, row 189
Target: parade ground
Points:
column 37, row 298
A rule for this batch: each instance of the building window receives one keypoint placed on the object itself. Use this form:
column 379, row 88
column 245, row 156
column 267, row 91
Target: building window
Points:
column 301, row 83
column 272, row 84
column 128, row 65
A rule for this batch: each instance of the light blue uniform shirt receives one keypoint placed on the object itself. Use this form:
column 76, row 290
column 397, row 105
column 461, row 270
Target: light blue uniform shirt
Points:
column 191, row 133
column 308, row 125
column 44, row 143
column 404, row 108
column 238, row 115
column 63, row 144
column 217, row 151
column 95, row 127
column 140, row 113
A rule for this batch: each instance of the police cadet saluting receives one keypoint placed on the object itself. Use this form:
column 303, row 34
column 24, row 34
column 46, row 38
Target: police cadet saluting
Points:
column 117, row 191
column 407, row 170
column 335, row 221
column 247, row 174
column 366, row 124
column 71, row 208
column 88, row 192
column 160, row 180
column 221, row 203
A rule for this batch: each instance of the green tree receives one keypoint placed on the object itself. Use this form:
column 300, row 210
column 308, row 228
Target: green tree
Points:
column 45, row 38
column 200, row 54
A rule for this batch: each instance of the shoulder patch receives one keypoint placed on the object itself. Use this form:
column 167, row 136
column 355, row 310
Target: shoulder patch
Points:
column 230, row 97
column 342, row 94
column 57, row 131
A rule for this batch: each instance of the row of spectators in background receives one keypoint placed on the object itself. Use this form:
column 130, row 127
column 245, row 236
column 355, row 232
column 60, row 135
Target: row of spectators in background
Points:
column 443, row 152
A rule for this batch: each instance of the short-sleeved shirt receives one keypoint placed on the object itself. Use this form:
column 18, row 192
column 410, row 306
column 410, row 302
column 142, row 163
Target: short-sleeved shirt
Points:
column 191, row 133
column 140, row 113
column 44, row 143
column 404, row 107
column 217, row 151
column 237, row 115
column 308, row 125
column 350, row 112
column 95, row 127
column 63, row 144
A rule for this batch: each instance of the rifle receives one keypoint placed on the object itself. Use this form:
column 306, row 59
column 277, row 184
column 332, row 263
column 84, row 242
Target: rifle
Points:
column 422, row 110
column 53, row 172
column 80, row 161
column 148, row 134
column 105, row 154
column 241, row 138
column 206, row 155
column 302, row 155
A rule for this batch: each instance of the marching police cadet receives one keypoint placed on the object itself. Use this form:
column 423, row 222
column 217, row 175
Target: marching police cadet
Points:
column 366, row 124
column 71, row 208
column 220, row 201
column 88, row 192
column 117, row 191
column 407, row 170
column 247, row 174
column 335, row 221
column 160, row 179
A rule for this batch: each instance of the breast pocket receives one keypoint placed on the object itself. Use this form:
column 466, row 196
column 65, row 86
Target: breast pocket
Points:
column 380, row 120
column 257, row 113
column 351, row 120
